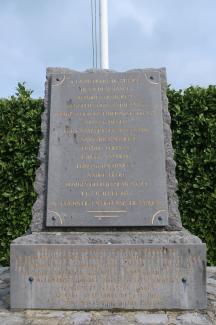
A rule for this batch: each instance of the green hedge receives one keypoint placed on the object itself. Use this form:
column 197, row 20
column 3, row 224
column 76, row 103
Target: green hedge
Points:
column 194, row 134
column 19, row 139
column 194, row 140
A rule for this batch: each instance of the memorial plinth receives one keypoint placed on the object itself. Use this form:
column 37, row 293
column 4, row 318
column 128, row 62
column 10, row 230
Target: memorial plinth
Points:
column 106, row 228
column 108, row 271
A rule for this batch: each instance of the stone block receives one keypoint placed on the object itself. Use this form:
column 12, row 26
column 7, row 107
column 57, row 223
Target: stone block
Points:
column 151, row 319
column 108, row 271
column 81, row 318
column 192, row 319
column 9, row 319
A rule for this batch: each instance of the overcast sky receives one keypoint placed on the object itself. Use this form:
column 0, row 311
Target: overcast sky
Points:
column 176, row 34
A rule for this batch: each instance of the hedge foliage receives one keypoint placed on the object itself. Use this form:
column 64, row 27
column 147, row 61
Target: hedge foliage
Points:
column 194, row 140
column 194, row 133
column 20, row 118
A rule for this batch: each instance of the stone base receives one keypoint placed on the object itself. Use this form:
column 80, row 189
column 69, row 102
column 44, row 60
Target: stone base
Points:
column 94, row 271
column 104, row 317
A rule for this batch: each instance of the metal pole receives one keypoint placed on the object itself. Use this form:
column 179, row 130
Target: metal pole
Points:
column 104, row 49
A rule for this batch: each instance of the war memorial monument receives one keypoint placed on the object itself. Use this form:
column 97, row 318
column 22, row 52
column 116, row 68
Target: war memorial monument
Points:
column 106, row 230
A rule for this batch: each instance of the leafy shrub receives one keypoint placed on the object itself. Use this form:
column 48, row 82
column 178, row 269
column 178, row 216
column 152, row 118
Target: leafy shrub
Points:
column 193, row 114
column 194, row 133
column 19, row 137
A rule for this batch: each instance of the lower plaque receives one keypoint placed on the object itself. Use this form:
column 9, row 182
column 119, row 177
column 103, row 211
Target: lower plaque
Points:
column 107, row 276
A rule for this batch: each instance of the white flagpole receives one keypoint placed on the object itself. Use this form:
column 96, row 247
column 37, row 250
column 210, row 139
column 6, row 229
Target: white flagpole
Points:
column 104, row 47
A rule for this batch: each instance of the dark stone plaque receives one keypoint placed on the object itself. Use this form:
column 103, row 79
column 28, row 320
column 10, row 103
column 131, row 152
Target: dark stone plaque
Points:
column 106, row 163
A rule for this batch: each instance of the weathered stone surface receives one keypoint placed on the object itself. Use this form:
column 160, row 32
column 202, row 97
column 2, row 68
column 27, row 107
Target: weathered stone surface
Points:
column 211, row 289
column 41, row 322
column 151, row 319
column 46, row 313
column 103, row 238
column 3, row 284
column 11, row 318
column 4, row 287
column 90, row 272
column 46, row 317
column 81, row 318
column 192, row 319
column 212, row 281
column 38, row 222
column 3, row 270
column 4, row 292
column 114, row 319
